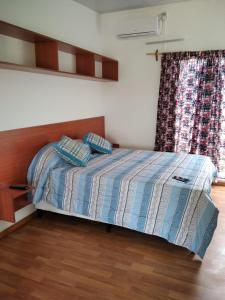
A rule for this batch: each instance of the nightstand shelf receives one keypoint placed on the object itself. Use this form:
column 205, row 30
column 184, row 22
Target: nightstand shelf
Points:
column 116, row 145
column 12, row 200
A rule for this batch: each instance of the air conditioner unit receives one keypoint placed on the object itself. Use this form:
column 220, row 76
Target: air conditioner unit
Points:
column 139, row 27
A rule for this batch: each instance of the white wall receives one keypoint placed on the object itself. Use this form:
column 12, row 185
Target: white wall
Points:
column 28, row 99
column 131, row 107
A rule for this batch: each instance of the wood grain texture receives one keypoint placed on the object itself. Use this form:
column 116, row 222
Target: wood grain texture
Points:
column 16, row 67
column 46, row 50
column 19, row 146
column 110, row 70
column 61, row 257
column 16, row 226
column 12, row 200
column 46, row 54
column 21, row 33
column 6, row 206
column 85, row 64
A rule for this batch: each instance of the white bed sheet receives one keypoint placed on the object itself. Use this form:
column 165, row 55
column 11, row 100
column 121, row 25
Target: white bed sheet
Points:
column 48, row 207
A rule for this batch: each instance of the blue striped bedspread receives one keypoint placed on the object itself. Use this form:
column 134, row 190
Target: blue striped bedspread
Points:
column 134, row 189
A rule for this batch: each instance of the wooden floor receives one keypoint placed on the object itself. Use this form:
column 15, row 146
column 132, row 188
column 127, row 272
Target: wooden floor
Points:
column 65, row 258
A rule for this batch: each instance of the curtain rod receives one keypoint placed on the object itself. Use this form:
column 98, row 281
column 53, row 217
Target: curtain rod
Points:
column 168, row 52
column 157, row 53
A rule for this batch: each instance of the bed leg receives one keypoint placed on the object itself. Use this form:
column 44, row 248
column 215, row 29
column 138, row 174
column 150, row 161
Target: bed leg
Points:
column 108, row 228
column 40, row 213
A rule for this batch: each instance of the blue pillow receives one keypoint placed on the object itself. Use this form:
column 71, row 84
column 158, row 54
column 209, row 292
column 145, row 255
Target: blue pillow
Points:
column 98, row 143
column 73, row 151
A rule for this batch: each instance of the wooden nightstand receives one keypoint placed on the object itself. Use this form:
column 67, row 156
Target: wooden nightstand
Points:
column 12, row 200
column 115, row 145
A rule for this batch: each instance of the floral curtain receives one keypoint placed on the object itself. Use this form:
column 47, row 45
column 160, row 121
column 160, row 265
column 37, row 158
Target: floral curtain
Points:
column 191, row 107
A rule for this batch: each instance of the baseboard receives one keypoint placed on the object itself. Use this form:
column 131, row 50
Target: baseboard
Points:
column 17, row 225
column 219, row 183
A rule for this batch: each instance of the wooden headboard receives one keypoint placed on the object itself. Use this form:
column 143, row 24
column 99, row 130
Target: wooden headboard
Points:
column 18, row 147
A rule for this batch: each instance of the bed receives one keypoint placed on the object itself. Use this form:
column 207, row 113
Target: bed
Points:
column 142, row 196
column 134, row 189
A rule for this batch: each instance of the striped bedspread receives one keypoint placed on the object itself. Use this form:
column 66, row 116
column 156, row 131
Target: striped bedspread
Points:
column 134, row 189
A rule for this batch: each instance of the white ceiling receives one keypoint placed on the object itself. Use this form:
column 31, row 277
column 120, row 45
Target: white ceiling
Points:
column 104, row 6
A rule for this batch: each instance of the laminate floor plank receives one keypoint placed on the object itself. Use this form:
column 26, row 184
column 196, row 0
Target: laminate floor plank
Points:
column 60, row 258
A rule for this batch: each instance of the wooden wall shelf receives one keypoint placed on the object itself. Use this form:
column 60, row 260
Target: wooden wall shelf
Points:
column 47, row 56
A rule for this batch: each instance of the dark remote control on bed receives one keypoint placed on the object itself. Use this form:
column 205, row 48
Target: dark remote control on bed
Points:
column 182, row 179
column 19, row 186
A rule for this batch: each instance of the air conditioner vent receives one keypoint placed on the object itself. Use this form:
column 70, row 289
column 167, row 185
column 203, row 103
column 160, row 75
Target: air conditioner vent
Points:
column 139, row 27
